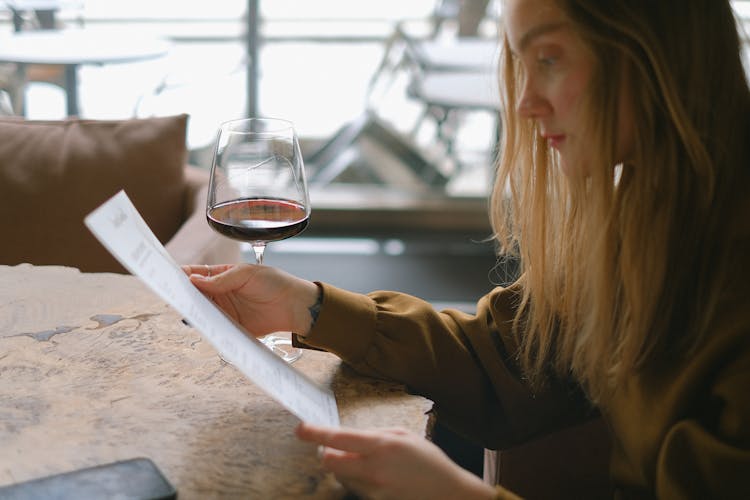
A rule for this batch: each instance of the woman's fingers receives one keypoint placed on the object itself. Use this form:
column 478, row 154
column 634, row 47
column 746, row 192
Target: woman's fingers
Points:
column 221, row 278
column 205, row 269
column 355, row 441
column 342, row 463
column 341, row 451
column 389, row 463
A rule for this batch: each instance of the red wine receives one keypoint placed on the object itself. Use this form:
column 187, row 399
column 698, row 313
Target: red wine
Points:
column 258, row 219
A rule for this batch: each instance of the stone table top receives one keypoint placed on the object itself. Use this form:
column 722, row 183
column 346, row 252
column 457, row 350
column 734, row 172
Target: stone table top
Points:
column 95, row 368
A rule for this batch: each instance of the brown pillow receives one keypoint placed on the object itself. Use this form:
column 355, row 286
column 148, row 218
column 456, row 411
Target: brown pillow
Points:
column 52, row 174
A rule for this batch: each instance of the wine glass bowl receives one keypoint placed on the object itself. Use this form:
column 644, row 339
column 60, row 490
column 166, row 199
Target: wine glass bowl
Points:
column 258, row 191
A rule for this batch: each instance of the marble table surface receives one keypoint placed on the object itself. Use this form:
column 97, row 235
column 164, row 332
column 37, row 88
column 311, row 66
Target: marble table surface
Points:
column 95, row 368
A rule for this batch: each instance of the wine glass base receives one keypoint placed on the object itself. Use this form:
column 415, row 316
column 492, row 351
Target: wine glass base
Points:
column 282, row 347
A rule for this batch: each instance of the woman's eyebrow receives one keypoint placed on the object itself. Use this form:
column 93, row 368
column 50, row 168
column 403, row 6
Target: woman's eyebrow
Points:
column 537, row 31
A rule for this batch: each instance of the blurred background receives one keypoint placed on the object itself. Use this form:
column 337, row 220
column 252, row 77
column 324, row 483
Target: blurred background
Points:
column 395, row 103
column 313, row 63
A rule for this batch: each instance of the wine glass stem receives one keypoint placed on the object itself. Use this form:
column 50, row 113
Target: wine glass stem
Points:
column 259, row 249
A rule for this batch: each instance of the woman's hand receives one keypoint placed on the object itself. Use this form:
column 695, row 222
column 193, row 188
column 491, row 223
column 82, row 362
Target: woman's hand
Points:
column 261, row 299
column 392, row 464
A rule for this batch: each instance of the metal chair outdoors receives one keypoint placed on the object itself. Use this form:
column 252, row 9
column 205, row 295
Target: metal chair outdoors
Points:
column 381, row 153
column 446, row 95
column 405, row 53
column 449, row 78
column 445, row 78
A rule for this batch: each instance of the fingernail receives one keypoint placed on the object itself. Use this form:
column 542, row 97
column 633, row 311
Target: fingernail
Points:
column 198, row 277
column 321, row 450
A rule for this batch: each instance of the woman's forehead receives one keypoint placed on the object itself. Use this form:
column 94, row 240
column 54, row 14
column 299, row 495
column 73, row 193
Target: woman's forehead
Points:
column 526, row 19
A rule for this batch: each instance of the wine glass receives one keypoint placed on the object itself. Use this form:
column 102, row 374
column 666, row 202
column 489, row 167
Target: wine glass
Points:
column 258, row 192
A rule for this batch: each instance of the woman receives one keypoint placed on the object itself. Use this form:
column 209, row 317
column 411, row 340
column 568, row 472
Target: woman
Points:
column 626, row 155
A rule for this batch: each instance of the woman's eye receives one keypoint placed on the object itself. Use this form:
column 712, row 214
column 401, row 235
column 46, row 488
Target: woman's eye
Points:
column 547, row 56
column 546, row 61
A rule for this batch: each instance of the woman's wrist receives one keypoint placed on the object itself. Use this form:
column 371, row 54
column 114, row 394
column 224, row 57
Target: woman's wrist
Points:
column 312, row 299
column 314, row 309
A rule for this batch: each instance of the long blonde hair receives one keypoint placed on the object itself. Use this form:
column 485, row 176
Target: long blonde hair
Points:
column 614, row 264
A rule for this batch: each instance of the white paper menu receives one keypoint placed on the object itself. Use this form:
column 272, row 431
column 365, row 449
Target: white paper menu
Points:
column 121, row 229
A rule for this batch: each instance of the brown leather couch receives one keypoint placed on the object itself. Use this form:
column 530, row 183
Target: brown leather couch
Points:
column 53, row 173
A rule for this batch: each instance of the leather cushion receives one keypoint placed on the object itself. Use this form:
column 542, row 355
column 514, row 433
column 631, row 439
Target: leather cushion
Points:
column 53, row 173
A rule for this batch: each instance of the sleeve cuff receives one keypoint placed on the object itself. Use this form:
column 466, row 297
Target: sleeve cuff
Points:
column 346, row 325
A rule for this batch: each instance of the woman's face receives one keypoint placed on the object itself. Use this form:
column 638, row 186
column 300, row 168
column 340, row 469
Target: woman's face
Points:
column 557, row 69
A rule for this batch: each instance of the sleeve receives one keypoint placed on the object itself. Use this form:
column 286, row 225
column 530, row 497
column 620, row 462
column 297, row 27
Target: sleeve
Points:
column 707, row 455
column 462, row 362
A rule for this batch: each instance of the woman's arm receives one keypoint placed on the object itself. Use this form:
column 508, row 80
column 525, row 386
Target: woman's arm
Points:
column 463, row 362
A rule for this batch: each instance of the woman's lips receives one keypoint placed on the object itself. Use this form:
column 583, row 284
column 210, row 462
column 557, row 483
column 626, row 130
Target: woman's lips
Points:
column 555, row 140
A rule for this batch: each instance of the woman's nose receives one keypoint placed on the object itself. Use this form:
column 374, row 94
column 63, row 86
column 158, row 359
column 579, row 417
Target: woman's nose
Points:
column 531, row 104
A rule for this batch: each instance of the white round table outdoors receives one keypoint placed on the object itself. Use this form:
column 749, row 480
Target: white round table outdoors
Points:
column 74, row 47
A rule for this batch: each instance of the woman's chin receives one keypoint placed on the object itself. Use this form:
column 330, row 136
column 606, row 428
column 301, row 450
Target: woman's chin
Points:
column 569, row 169
column 572, row 167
